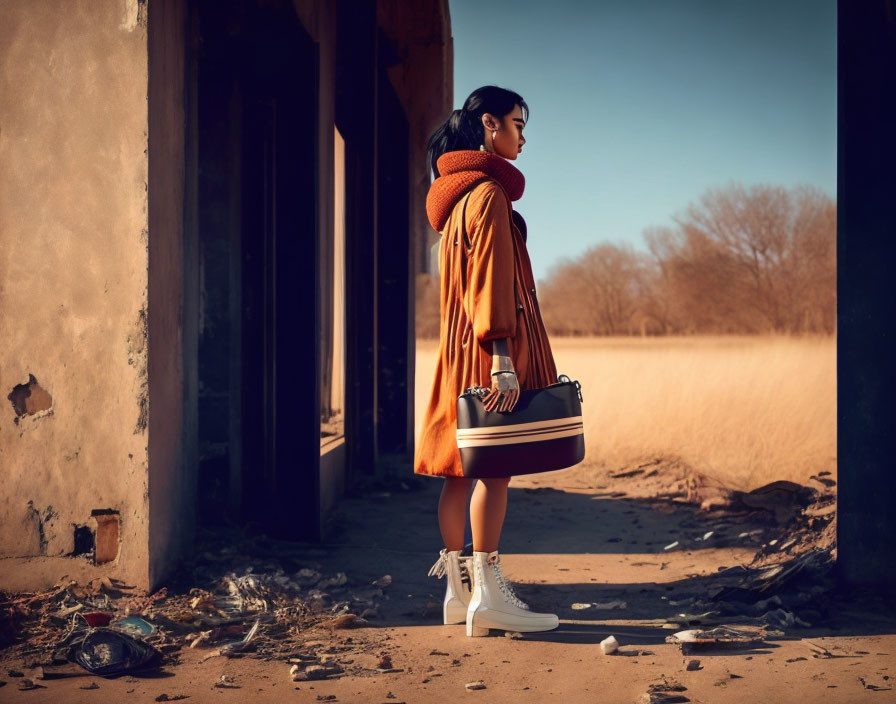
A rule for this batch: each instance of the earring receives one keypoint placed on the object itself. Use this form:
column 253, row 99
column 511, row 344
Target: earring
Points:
column 482, row 148
column 494, row 132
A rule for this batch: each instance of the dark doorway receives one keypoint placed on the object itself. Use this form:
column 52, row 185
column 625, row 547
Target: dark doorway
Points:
column 394, row 265
column 256, row 127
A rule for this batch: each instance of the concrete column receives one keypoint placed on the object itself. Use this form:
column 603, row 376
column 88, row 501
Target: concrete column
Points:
column 866, row 250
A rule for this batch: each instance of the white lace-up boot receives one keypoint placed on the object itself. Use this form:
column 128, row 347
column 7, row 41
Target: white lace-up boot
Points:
column 495, row 605
column 458, row 588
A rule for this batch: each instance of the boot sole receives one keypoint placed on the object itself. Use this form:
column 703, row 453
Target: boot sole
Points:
column 479, row 624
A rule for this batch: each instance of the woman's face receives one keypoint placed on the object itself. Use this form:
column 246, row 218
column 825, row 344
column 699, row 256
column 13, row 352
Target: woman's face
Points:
column 509, row 140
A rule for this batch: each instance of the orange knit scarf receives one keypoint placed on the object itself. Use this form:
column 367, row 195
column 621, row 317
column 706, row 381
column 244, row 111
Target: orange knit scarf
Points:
column 461, row 169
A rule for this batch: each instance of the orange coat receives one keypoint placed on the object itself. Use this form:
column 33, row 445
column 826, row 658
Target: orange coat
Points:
column 487, row 292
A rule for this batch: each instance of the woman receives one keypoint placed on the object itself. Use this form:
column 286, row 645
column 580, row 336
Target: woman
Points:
column 491, row 334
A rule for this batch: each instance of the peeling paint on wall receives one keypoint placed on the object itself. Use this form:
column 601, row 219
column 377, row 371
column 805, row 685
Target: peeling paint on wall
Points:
column 108, row 540
column 42, row 521
column 30, row 399
column 137, row 358
column 134, row 15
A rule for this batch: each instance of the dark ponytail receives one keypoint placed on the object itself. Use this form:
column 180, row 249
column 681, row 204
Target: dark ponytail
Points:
column 463, row 128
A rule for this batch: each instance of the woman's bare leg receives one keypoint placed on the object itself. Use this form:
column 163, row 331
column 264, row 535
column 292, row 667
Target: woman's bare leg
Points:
column 487, row 509
column 453, row 511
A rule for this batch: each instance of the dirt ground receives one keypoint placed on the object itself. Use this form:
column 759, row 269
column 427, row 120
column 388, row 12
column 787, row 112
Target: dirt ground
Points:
column 578, row 536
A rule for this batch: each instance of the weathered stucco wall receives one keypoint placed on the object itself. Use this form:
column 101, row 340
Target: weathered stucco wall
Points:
column 73, row 285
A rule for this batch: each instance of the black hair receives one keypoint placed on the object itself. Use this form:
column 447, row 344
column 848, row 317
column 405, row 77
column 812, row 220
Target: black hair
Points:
column 463, row 128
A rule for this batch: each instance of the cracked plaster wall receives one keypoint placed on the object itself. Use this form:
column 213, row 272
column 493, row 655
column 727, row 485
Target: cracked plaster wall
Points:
column 73, row 274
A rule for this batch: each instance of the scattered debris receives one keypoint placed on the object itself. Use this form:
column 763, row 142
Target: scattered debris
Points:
column 514, row 635
column 706, row 618
column 27, row 684
column 664, row 693
column 693, row 665
column 663, row 698
column 226, row 683
column 609, row 645
column 579, row 606
column 348, row 620
column 819, row 651
column 671, row 545
column 874, row 687
column 134, row 626
column 238, row 596
column 719, row 637
column 478, row 684
column 105, row 651
column 93, row 619
column 617, row 604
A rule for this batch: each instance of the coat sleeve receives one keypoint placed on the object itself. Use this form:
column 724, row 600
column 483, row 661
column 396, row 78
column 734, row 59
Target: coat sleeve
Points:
column 490, row 291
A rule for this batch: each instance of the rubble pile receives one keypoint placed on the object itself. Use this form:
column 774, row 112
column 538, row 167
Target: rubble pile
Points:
column 232, row 600
column 795, row 544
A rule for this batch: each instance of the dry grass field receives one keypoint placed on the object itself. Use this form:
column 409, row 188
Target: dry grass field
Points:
column 743, row 410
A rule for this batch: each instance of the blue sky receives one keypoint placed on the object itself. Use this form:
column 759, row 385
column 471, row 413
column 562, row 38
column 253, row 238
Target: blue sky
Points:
column 638, row 106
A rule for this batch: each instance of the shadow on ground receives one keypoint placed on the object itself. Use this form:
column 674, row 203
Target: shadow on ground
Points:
column 568, row 545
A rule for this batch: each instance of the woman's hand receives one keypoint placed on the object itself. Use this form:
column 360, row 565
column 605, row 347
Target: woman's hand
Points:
column 505, row 392
column 505, row 385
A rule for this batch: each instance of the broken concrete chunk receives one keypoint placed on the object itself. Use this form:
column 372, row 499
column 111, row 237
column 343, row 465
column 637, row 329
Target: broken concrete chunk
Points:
column 662, row 698
column 721, row 636
column 609, row 645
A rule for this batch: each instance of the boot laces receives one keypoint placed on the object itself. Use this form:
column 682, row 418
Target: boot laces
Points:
column 440, row 568
column 505, row 587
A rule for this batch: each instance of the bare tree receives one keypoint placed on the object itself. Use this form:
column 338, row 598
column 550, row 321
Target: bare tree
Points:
column 744, row 260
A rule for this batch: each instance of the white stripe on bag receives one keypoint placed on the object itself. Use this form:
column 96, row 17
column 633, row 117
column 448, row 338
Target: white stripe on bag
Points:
column 505, row 439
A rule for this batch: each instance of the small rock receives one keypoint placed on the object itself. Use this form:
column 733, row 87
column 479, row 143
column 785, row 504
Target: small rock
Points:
column 27, row 684
column 515, row 635
column 92, row 685
column 15, row 673
column 693, row 665
column 348, row 620
column 478, row 684
column 609, row 645
column 579, row 607
column 385, row 662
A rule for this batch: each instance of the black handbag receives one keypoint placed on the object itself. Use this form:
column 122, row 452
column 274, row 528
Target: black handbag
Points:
column 543, row 432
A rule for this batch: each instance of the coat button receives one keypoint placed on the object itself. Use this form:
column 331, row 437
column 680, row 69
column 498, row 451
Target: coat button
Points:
column 532, row 291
